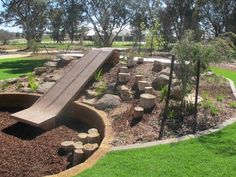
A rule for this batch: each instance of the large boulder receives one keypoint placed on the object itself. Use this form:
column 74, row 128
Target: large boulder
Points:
column 157, row 67
column 160, row 81
column 108, row 101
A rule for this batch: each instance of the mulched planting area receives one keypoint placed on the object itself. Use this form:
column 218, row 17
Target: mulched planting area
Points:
column 29, row 151
column 129, row 131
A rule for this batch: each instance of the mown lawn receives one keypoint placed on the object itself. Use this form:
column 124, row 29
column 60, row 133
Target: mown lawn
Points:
column 225, row 72
column 15, row 67
column 209, row 156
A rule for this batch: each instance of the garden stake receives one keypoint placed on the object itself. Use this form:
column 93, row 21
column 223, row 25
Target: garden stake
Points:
column 167, row 98
column 196, row 96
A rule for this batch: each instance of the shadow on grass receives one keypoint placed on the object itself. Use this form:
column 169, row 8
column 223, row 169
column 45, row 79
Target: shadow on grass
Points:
column 20, row 66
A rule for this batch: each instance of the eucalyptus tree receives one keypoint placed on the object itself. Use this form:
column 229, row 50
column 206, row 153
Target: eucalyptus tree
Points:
column 31, row 16
column 108, row 18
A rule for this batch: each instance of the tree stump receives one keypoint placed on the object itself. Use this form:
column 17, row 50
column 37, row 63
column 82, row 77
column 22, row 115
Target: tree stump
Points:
column 130, row 63
column 94, row 138
column 124, row 70
column 147, row 101
column 148, row 90
column 67, row 146
column 83, row 137
column 92, row 130
column 124, row 77
column 78, row 156
column 89, row 149
column 138, row 78
column 138, row 112
column 142, row 85
column 78, row 145
column 140, row 60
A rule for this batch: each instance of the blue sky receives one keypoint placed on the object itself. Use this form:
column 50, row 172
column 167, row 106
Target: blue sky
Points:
column 8, row 27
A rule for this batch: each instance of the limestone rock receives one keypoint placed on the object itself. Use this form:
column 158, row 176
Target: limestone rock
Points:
column 51, row 64
column 111, row 88
column 160, row 81
column 125, row 93
column 89, row 102
column 108, row 101
column 90, row 93
column 11, row 80
column 52, row 78
column 45, row 87
column 157, row 67
column 165, row 72
column 40, row 70
column 176, row 92
column 64, row 61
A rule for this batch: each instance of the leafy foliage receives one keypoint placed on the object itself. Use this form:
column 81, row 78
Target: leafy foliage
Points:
column 32, row 82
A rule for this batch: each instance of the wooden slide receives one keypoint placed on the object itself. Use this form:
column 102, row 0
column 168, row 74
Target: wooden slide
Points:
column 52, row 104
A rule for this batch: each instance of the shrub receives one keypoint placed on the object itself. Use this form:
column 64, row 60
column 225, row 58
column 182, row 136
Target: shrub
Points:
column 164, row 91
column 101, row 89
column 220, row 98
column 98, row 75
column 232, row 104
column 32, row 82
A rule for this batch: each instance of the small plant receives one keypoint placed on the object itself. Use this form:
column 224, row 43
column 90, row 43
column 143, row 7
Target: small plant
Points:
column 98, row 75
column 164, row 91
column 214, row 111
column 170, row 113
column 100, row 90
column 232, row 104
column 208, row 104
column 220, row 98
column 32, row 82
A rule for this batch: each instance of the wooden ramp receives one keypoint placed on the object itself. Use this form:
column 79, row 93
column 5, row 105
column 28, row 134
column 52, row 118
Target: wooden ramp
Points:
column 52, row 104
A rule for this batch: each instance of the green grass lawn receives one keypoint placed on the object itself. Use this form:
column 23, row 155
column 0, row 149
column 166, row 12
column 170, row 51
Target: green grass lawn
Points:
column 225, row 72
column 15, row 67
column 208, row 156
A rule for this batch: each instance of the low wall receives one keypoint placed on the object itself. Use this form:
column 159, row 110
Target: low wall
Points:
column 76, row 110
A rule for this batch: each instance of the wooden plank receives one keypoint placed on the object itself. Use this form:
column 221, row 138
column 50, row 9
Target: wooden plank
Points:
column 54, row 102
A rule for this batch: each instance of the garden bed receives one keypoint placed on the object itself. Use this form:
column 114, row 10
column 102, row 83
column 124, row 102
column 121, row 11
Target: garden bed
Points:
column 217, row 106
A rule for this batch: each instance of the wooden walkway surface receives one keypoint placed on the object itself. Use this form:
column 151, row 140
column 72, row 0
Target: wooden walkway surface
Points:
column 51, row 105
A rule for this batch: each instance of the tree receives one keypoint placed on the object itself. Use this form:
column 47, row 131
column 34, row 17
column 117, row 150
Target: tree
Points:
column 153, row 37
column 5, row 36
column 31, row 16
column 108, row 18
column 74, row 16
column 139, row 21
column 57, row 20
column 218, row 16
column 181, row 16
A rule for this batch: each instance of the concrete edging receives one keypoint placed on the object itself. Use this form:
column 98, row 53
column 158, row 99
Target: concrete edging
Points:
column 183, row 138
